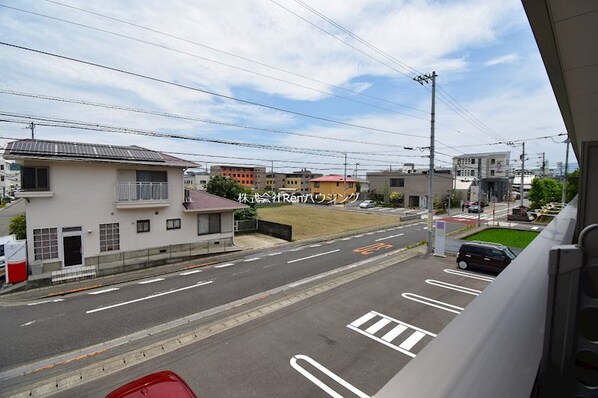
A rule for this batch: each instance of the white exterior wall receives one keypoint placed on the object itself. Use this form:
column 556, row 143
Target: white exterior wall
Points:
column 85, row 196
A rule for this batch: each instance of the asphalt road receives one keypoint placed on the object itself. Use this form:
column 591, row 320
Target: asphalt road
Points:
column 43, row 329
column 351, row 339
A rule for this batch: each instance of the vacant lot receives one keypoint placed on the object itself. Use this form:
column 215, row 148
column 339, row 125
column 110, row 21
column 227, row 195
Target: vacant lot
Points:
column 507, row 237
column 313, row 221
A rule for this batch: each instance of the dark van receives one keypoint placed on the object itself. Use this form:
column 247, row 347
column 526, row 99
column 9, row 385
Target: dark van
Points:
column 487, row 256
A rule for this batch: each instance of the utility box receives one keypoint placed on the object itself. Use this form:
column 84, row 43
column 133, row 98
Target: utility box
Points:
column 16, row 261
column 37, row 267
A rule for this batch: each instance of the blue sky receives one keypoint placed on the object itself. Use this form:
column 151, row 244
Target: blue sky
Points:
column 275, row 53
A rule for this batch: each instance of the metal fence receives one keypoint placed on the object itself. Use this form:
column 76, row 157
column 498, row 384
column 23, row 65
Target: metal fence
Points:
column 134, row 191
column 246, row 225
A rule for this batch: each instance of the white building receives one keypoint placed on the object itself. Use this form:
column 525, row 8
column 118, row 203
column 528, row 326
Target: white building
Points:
column 113, row 206
column 196, row 180
column 491, row 169
column 10, row 178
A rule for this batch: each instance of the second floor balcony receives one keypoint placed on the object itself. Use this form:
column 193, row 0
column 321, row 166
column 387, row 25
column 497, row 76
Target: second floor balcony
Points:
column 141, row 194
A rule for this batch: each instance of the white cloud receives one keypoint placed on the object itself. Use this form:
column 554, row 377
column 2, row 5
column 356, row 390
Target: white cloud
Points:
column 503, row 59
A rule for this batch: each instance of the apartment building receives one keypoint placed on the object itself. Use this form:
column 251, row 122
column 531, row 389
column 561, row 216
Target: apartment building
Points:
column 298, row 181
column 196, row 180
column 249, row 176
column 490, row 170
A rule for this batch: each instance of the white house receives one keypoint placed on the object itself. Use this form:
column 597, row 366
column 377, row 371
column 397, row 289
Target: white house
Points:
column 114, row 206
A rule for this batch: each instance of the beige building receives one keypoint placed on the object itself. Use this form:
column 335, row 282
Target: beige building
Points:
column 413, row 185
column 104, row 205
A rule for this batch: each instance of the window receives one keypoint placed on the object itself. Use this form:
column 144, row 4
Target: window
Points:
column 337, row 184
column 316, row 184
column 174, row 223
column 143, row 226
column 45, row 243
column 35, row 178
column 397, row 182
column 350, row 185
column 109, row 237
column 492, row 161
column 491, row 172
column 473, row 161
column 208, row 224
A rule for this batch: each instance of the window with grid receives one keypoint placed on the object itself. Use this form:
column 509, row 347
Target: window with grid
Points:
column 208, row 224
column 143, row 226
column 45, row 243
column 109, row 237
column 174, row 223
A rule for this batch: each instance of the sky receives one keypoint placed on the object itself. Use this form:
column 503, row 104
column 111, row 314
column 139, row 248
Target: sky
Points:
column 280, row 83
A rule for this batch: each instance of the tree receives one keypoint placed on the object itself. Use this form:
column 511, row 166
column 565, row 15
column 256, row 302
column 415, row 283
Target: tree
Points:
column 18, row 226
column 572, row 185
column 545, row 190
column 233, row 190
column 395, row 198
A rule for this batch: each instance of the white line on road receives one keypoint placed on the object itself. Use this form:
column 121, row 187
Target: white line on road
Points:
column 223, row 265
column 457, row 288
column 110, row 289
column 28, row 323
column 358, row 236
column 347, row 238
column 388, row 237
column 150, row 281
column 198, row 284
column 534, row 228
column 46, row 301
column 360, row 321
column 274, row 254
column 195, row 271
column 315, row 255
column 316, row 245
column 412, row 340
column 433, row 303
column 328, row 373
column 469, row 275
column 252, row 259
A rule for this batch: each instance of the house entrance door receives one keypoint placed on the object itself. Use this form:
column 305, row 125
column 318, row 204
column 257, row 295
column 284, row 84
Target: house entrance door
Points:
column 72, row 250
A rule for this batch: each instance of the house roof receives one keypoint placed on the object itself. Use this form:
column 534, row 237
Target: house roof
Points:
column 78, row 151
column 332, row 178
column 204, row 201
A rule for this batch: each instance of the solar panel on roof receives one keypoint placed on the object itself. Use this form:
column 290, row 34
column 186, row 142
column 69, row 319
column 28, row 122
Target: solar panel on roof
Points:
column 92, row 151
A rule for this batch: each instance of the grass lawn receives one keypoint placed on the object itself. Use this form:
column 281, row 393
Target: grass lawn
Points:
column 507, row 237
column 312, row 221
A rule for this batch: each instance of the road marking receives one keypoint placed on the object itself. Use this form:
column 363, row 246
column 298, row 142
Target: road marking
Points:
column 224, row 265
column 534, row 228
column 110, row 289
column 457, row 288
column 359, row 236
column 252, row 259
column 433, row 303
column 388, row 237
column 274, row 254
column 28, row 323
column 297, row 249
column 315, row 255
column 469, row 275
column 347, row 238
column 407, row 341
column 328, row 390
column 190, row 272
column 369, row 249
column 198, row 284
column 150, row 281
column 316, row 245
column 371, row 233
column 46, row 301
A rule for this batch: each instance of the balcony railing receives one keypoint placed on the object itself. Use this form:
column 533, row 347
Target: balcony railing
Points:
column 493, row 348
column 136, row 192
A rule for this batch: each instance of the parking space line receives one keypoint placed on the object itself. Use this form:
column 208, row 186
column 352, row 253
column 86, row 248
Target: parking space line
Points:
column 404, row 345
column 469, row 275
column 456, row 288
column 328, row 390
column 433, row 303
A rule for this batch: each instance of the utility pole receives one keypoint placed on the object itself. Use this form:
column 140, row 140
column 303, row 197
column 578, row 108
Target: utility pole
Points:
column 32, row 128
column 522, row 171
column 355, row 175
column 479, row 191
column 272, row 175
column 421, row 80
column 543, row 164
column 564, row 196
column 345, row 181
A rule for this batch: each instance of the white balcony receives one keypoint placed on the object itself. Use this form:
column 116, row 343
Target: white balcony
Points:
column 135, row 195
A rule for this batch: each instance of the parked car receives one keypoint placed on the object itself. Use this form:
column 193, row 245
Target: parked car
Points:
column 475, row 209
column 487, row 256
column 156, row 385
column 367, row 204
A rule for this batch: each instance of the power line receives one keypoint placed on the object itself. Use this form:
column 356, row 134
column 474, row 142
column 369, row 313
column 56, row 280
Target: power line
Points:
column 180, row 85
column 162, row 33
column 184, row 117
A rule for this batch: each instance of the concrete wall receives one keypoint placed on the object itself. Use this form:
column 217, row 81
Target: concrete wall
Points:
column 281, row 231
column 84, row 196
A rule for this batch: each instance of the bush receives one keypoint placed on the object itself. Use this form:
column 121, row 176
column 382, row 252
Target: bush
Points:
column 18, row 226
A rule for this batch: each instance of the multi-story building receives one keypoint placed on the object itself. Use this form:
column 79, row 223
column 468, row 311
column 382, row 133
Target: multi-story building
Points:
column 196, row 180
column 10, row 178
column 490, row 170
column 113, row 206
column 297, row 181
column 413, row 185
column 249, row 176
column 333, row 187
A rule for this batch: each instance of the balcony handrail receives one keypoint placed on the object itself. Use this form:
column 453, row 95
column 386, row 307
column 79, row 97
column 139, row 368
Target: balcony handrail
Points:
column 494, row 347
column 135, row 191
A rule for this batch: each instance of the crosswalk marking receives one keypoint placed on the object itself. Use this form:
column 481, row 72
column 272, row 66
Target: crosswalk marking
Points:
column 396, row 334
